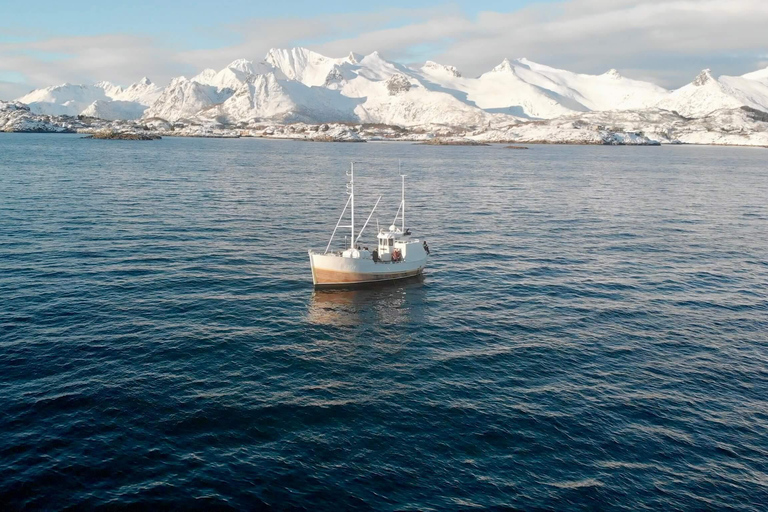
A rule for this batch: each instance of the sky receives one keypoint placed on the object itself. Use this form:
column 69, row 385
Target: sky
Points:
column 668, row 42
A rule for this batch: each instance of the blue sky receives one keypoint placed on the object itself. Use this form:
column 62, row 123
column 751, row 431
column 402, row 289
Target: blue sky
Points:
column 47, row 42
column 185, row 21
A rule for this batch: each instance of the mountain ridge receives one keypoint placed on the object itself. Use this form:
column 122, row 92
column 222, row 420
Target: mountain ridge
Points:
column 301, row 85
column 518, row 88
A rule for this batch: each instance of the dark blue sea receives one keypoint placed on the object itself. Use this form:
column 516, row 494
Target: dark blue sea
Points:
column 591, row 332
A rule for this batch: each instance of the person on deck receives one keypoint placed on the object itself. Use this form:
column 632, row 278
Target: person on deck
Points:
column 375, row 256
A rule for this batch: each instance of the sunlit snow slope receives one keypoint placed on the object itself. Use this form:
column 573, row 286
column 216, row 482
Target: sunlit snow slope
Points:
column 298, row 84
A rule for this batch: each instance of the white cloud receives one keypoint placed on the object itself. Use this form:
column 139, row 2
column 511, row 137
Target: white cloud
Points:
column 119, row 57
column 12, row 89
column 664, row 40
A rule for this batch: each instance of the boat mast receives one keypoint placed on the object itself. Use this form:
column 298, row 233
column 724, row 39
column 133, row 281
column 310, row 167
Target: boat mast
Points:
column 400, row 208
column 352, row 199
column 403, row 201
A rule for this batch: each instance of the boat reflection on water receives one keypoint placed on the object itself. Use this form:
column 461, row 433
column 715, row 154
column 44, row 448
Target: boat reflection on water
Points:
column 387, row 303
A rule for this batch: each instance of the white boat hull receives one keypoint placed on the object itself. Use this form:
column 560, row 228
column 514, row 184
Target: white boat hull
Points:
column 336, row 270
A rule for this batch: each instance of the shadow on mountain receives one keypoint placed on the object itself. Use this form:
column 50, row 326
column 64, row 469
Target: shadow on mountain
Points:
column 515, row 110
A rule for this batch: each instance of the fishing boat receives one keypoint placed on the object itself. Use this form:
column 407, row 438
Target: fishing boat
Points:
column 398, row 255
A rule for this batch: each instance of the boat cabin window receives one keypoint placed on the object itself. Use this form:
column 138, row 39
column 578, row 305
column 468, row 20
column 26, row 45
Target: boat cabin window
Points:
column 391, row 242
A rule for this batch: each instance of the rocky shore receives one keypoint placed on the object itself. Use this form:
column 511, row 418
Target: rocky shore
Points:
column 110, row 135
column 450, row 142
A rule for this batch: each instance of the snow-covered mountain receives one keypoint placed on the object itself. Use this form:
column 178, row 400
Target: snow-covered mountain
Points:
column 305, row 66
column 65, row 99
column 760, row 75
column 706, row 94
column 143, row 92
column 265, row 97
column 235, row 74
column 433, row 68
column 525, row 88
column 102, row 99
column 113, row 110
column 292, row 85
column 404, row 101
column 301, row 85
column 184, row 98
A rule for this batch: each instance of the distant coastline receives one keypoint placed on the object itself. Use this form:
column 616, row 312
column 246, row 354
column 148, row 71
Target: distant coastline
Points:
column 593, row 128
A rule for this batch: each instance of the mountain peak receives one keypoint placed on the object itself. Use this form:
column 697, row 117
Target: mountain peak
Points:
column 374, row 56
column 704, row 77
column 612, row 73
column 504, row 67
column 145, row 81
column 244, row 65
column 298, row 52
column 432, row 66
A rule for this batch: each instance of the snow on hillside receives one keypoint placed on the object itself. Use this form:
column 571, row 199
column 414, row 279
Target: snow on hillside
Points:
column 305, row 66
column 760, row 75
column 734, row 127
column 110, row 89
column 184, row 98
column 205, row 76
column 749, row 92
column 609, row 91
column 523, row 87
column 397, row 101
column 234, row 75
column 113, row 110
column 391, row 94
column 501, row 90
column 701, row 97
column 143, row 92
column 65, row 99
column 307, row 86
column 17, row 117
column 433, row 68
column 374, row 67
column 73, row 100
column 518, row 98
column 741, row 127
column 265, row 97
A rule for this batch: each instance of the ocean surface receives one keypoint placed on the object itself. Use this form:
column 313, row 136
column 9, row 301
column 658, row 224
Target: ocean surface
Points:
column 591, row 331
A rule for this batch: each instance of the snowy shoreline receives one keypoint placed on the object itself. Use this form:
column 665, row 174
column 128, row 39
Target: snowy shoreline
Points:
column 407, row 140
column 742, row 126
